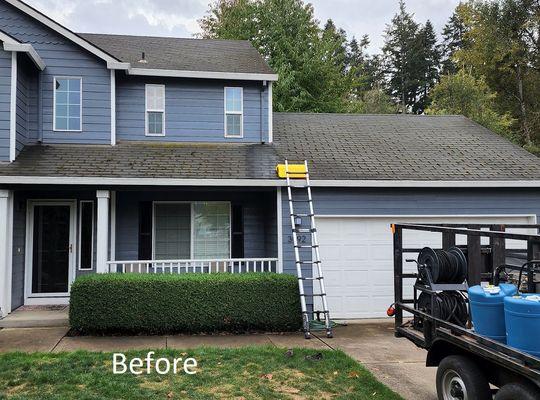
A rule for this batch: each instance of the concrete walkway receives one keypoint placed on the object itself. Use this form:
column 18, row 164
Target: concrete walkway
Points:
column 396, row 362
column 37, row 317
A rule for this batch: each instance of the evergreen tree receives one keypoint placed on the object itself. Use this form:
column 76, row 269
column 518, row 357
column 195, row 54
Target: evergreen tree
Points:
column 453, row 40
column 400, row 53
column 427, row 61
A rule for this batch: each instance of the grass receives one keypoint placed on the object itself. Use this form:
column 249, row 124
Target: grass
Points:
column 244, row 373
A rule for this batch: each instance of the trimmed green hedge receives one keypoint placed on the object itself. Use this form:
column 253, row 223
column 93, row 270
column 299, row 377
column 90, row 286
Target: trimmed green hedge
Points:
column 155, row 303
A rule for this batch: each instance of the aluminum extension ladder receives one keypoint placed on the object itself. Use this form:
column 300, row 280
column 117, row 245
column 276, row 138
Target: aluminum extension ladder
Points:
column 304, row 223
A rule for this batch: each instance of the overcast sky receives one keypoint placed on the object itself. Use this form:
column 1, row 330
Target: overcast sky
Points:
column 179, row 17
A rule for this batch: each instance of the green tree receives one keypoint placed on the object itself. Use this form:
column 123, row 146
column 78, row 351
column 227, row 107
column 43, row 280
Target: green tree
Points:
column 453, row 33
column 310, row 61
column 373, row 101
column 503, row 45
column 466, row 95
column 427, row 63
column 400, row 52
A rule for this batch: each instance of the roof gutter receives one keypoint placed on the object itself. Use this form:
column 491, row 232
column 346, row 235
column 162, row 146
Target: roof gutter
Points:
column 247, row 76
column 99, row 181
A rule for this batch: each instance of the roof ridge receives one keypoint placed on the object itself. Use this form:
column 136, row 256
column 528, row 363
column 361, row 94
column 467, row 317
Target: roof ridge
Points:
column 368, row 115
column 162, row 37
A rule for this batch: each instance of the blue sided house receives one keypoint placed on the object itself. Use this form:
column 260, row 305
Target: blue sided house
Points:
column 150, row 155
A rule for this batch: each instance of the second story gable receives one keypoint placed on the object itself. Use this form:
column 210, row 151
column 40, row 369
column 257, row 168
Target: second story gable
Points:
column 100, row 89
column 193, row 89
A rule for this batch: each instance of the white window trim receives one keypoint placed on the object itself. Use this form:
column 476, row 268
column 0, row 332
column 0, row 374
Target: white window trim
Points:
column 79, row 234
column 147, row 110
column 54, row 103
column 241, row 112
column 191, row 227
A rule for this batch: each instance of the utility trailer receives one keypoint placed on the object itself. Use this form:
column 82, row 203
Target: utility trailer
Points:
column 469, row 365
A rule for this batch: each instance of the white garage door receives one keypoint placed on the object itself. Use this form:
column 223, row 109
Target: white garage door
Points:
column 356, row 254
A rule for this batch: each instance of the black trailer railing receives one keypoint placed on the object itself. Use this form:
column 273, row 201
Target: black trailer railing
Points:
column 495, row 253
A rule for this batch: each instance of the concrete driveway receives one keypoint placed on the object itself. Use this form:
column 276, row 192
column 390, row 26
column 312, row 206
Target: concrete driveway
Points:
column 396, row 362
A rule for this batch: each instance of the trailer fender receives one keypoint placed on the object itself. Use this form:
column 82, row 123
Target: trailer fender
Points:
column 440, row 349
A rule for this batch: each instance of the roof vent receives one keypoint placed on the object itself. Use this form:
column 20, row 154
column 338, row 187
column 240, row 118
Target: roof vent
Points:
column 143, row 58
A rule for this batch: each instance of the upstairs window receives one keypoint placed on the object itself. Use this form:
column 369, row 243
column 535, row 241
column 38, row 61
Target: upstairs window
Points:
column 234, row 112
column 67, row 104
column 155, row 110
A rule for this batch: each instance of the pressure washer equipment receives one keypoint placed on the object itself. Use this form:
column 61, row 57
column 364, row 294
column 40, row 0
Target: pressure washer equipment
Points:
column 443, row 266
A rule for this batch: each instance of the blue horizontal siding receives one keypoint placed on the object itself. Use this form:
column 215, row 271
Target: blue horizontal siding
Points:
column 194, row 110
column 63, row 58
column 5, row 96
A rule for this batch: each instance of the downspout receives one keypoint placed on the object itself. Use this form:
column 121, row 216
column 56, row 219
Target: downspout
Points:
column 261, row 114
column 39, row 106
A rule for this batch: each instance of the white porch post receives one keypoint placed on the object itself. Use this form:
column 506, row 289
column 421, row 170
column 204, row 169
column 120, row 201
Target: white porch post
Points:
column 6, row 241
column 102, row 251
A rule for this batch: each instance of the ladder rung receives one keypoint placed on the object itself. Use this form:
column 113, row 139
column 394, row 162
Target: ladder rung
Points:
column 308, row 262
column 303, row 215
column 312, row 279
column 320, row 312
column 313, row 295
column 304, row 230
column 306, row 246
column 300, row 201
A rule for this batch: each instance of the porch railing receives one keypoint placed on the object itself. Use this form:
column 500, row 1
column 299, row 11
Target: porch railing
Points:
column 231, row 265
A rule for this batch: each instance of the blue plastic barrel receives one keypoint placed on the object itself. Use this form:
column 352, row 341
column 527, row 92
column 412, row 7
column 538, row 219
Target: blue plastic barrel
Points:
column 487, row 310
column 523, row 322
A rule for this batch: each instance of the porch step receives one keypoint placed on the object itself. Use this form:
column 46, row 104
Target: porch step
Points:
column 36, row 318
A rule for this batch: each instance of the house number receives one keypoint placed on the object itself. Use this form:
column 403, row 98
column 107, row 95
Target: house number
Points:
column 300, row 238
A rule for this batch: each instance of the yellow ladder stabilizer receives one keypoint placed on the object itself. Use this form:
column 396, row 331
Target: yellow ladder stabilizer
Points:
column 295, row 171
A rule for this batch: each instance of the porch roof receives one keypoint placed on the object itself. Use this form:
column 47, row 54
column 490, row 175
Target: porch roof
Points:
column 146, row 160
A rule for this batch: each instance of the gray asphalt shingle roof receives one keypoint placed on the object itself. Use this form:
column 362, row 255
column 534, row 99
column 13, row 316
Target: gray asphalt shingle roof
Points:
column 338, row 146
column 184, row 54
column 401, row 147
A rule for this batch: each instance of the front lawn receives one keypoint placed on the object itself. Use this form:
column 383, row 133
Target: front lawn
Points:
column 245, row 373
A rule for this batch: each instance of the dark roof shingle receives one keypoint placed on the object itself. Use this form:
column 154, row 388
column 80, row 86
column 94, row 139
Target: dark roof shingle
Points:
column 338, row 146
column 184, row 54
column 400, row 147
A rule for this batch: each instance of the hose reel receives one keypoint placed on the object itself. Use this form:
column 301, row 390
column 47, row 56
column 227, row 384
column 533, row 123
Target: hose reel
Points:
column 444, row 266
column 449, row 306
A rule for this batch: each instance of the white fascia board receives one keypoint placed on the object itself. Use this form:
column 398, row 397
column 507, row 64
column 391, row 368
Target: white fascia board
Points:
column 76, row 180
column 202, row 74
column 118, row 65
column 426, row 184
column 112, row 63
column 26, row 48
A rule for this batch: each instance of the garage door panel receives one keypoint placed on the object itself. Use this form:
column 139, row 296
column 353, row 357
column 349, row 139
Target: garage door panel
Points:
column 356, row 253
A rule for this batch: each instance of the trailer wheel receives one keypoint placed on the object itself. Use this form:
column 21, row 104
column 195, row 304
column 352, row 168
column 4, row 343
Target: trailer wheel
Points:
column 518, row 391
column 459, row 378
